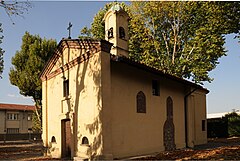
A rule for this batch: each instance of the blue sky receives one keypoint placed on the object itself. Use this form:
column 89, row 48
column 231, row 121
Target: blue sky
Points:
column 50, row 20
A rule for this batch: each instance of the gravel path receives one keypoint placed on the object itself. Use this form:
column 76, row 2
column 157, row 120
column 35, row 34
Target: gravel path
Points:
column 21, row 151
column 216, row 149
column 219, row 142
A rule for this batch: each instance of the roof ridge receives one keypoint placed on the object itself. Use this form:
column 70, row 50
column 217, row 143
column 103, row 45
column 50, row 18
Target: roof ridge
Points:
column 8, row 106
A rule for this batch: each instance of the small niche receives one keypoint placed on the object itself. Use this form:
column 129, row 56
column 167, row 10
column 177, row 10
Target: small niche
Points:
column 85, row 141
column 53, row 140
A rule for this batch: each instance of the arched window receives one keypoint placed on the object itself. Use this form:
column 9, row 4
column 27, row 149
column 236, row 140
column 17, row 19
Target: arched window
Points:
column 85, row 140
column 53, row 140
column 121, row 33
column 141, row 102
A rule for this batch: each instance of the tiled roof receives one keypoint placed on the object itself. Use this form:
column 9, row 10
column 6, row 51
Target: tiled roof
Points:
column 4, row 106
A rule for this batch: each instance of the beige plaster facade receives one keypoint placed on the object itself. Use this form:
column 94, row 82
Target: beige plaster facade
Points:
column 93, row 95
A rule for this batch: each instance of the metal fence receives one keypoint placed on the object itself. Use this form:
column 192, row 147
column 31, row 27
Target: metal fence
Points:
column 16, row 137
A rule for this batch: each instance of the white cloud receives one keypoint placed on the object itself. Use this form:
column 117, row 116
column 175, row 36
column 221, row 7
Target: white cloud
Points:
column 11, row 95
column 18, row 96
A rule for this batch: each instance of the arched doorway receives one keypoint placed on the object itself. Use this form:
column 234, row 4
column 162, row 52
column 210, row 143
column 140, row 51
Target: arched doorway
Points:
column 168, row 129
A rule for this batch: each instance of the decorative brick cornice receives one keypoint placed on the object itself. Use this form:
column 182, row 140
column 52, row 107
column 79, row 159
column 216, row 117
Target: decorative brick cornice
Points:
column 67, row 66
column 106, row 46
column 90, row 46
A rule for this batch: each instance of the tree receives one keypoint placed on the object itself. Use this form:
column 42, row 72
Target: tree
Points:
column 11, row 8
column 28, row 64
column 37, row 121
column 85, row 33
column 233, row 123
column 15, row 7
column 184, row 39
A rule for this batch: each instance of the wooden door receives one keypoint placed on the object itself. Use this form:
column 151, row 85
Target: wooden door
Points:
column 66, row 138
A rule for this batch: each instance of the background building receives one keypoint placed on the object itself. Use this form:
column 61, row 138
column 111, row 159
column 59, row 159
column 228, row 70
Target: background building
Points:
column 16, row 121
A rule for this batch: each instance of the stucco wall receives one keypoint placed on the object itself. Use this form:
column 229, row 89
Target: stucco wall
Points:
column 115, row 20
column 22, row 123
column 107, row 105
column 141, row 133
column 102, row 107
column 200, row 115
column 196, row 114
column 88, row 104
column 83, row 105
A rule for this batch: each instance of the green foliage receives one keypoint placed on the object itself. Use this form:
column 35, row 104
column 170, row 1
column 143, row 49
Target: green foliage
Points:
column 85, row 33
column 98, row 26
column 37, row 123
column 1, row 51
column 28, row 64
column 183, row 38
column 233, row 124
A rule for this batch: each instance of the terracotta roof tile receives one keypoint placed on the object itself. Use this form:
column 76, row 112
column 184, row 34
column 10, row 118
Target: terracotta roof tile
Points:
column 4, row 106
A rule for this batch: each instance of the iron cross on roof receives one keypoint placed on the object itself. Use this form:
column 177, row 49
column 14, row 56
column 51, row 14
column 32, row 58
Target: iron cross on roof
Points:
column 69, row 30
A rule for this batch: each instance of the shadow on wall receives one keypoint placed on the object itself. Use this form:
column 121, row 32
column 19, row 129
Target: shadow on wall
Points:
column 95, row 128
column 88, row 68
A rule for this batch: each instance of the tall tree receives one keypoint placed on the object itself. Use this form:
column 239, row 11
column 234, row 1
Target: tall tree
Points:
column 28, row 64
column 233, row 123
column 12, row 8
column 85, row 33
column 184, row 39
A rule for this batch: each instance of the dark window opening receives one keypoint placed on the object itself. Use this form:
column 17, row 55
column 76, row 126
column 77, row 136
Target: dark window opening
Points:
column 169, row 108
column 12, row 116
column 29, row 117
column 53, row 140
column 141, row 102
column 155, row 88
column 85, row 140
column 110, row 33
column 203, row 125
column 121, row 33
column 66, row 88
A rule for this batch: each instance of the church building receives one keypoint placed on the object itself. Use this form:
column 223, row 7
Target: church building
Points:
column 100, row 104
